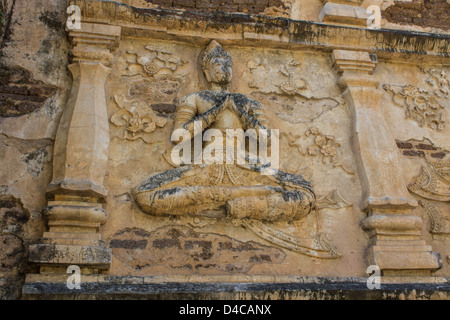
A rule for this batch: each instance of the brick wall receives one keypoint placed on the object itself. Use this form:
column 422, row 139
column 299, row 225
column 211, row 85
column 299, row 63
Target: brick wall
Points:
column 421, row 149
column 246, row 6
column 20, row 93
column 425, row 13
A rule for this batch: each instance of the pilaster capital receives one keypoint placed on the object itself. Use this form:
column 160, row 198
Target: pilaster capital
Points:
column 355, row 67
column 95, row 42
column 354, row 61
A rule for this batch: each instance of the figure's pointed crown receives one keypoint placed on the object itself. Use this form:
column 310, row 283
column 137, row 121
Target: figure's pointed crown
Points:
column 214, row 50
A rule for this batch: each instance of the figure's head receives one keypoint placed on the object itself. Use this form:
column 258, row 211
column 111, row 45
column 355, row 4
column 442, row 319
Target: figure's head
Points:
column 217, row 64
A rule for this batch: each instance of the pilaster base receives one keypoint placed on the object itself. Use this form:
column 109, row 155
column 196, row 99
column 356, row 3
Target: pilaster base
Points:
column 414, row 260
column 66, row 255
column 303, row 288
column 396, row 245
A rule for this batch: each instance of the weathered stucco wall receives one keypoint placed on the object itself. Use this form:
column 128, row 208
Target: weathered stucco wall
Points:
column 153, row 67
column 34, row 87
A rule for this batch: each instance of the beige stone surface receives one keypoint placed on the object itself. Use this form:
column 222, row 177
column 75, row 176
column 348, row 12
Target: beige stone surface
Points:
column 362, row 115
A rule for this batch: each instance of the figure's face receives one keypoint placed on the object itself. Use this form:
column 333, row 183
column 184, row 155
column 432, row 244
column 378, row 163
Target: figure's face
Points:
column 220, row 71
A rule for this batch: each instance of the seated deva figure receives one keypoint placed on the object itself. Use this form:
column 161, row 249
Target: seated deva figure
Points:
column 227, row 189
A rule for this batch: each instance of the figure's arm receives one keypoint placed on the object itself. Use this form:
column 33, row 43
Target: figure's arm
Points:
column 189, row 117
column 257, row 120
column 256, row 111
column 186, row 111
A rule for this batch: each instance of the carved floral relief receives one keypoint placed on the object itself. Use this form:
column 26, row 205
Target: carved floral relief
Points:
column 154, row 62
column 432, row 187
column 235, row 192
column 289, row 83
column 136, row 118
column 425, row 106
column 326, row 147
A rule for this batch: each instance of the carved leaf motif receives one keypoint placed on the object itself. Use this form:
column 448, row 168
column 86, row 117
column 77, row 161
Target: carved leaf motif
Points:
column 121, row 117
column 435, row 216
column 156, row 62
column 420, row 105
column 133, row 122
column 333, row 200
column 284, row 71
column 313, row 150
column 433, row 182
column 323, row 144
column 318, row 247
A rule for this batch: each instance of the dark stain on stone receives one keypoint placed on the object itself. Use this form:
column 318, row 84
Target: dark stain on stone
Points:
column 174, row 233
column 12, row 213
column 7, row 204
column 35, row 156
column 206, row 247
column 164, row 108
column 233, row 268
column 18, row 216
column 52, row 20
column 46, row 46
column 179, row 247
column 438, row 155
column 262, row 258
column 200, row 243
column 12, row 251
column 413, row 153
column 128, row 244
column 166, row 243
column 423, row 146
column 20, row 93
column 404, row 145
column 205, row 266
column 294, row 179
column 141, row 233
column 35, row 161
column 228, row 245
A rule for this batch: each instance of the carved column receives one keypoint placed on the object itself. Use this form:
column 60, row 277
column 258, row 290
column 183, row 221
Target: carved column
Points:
column 395, row 242
column 75, row 210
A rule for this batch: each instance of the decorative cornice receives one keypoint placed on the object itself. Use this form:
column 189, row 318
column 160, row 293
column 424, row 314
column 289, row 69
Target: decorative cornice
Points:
column 250, row 30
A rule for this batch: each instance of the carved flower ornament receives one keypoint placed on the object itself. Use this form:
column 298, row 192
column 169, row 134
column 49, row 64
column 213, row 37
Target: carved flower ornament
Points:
column 135, row 123
column 323, row 144
column 420, row 105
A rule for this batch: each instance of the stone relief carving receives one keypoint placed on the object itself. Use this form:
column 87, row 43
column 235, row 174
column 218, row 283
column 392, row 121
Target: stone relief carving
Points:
column 433, row 182
column 230, row 191
column 155, row 62
column 290, row 71
column 439, row 81
column 224, row 189
column 425, row 107
column 293, row 84
column 181, row 248
column 290, row 95
column 333, row 200
column 439, row 223
column 153, row 73
column 324, row 146
column 136, row 118
column 317, row 247
column 432, row 185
